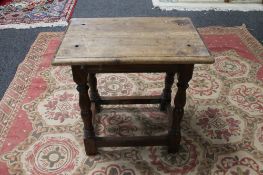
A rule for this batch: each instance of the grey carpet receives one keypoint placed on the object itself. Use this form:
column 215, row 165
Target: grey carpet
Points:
column 14, row 44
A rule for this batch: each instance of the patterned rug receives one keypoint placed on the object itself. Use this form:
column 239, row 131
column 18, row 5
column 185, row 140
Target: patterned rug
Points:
column 41, row 129
column 36, row 13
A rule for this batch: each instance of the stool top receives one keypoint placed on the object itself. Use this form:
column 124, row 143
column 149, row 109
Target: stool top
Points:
column 132, row 40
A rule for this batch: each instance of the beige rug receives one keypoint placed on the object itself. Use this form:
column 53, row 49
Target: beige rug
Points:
column 41, row 129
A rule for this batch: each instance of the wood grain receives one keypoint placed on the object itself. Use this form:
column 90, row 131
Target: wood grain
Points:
column 135, row 40
column 130, row 100
column 131, row 141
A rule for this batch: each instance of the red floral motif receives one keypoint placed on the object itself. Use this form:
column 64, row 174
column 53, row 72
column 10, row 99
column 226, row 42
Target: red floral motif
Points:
column 260, row 74
column 61, row 107
column 181, row 163
column 114, row 169
column 229, row 67
column 258, row 138
column 114, row 85
column 63, row 74
column 218, row 124
column 115, row 124
column 203, row 85
column 248, row 97
column 51, row 156
column 152, row 76
column 260, row 134
column 157, row 115
column 237, row 166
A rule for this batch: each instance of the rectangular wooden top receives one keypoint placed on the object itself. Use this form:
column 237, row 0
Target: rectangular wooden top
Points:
column 133, row 40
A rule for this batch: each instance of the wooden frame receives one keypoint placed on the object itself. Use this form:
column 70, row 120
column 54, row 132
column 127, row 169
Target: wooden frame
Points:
column 90, row 103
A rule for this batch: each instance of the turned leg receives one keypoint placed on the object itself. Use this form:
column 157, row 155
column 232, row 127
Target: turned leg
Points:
column 185, row 73
column 80, row 78
column 166, row 94
column 94, row 94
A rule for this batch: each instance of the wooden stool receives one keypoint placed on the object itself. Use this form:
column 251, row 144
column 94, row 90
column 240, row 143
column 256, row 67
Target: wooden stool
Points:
column 127, row 45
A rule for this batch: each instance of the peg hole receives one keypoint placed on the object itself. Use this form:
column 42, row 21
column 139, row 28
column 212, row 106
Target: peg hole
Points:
column 77, row 45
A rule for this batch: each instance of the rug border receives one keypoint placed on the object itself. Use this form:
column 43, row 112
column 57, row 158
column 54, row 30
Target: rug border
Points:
column 253, row 44
column 36, row 50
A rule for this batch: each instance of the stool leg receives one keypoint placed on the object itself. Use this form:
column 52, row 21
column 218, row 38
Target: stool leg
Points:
column 166, row 94
column 185, row 73
column 94, row 93
column 80, row 78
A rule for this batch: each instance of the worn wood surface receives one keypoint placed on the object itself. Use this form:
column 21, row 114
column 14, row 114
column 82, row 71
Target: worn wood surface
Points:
column 134, row 40
column 130, row 100
column 131, row 141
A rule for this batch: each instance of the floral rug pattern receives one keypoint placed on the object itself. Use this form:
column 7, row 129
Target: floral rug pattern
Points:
column 222, row 130
column 33, row 12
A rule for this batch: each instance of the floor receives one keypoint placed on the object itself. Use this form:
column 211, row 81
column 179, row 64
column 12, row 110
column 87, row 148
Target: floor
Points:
column 15, row 44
